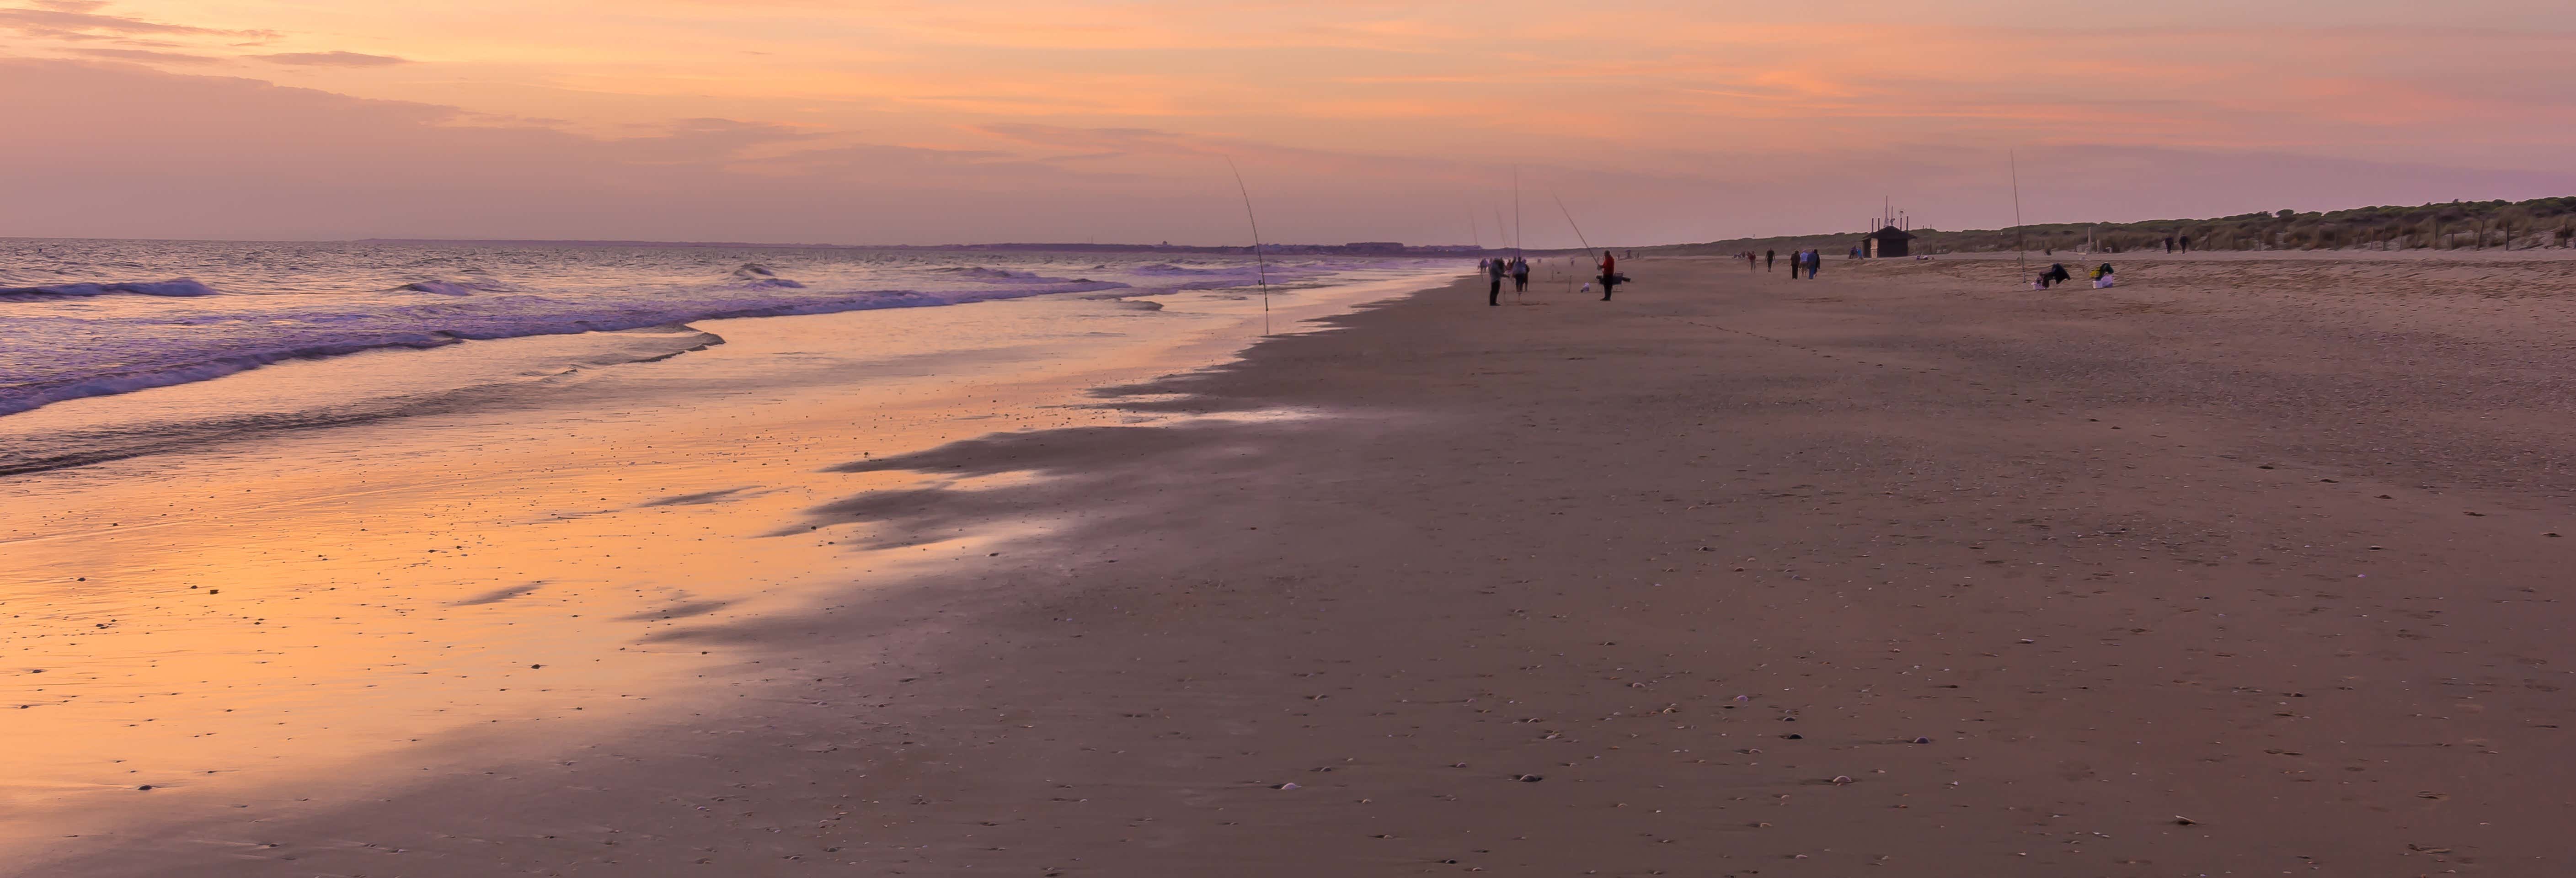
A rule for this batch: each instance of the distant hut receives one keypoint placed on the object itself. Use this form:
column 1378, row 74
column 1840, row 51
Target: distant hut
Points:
column 1890, row 241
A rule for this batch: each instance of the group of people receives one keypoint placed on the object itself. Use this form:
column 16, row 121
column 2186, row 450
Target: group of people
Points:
column 1518, row 269
column 1806, row 259
column 1799, row 261
column 2103, row 277
column 1515, row 268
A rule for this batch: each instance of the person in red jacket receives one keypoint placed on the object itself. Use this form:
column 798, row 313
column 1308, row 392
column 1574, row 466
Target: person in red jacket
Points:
column 1609, row 273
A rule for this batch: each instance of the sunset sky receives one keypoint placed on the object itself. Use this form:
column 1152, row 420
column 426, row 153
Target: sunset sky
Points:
column 898, row 122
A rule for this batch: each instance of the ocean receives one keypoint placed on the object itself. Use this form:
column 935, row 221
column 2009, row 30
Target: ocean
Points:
column 428, row 327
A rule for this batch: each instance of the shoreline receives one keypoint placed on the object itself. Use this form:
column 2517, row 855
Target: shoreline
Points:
column 258, row 625
column 1732, row 575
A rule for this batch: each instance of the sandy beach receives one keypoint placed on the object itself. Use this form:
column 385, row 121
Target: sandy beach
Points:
column 2250, row 566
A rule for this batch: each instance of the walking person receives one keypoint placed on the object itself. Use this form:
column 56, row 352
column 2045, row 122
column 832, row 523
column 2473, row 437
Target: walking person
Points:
column 1769, row 258
column 1815, row 260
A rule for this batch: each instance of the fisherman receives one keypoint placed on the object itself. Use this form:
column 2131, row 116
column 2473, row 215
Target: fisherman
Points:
column 1494, row 270
column 1520, row 275
column 1770, row 258
column 1609, row 274
column 2056, row 274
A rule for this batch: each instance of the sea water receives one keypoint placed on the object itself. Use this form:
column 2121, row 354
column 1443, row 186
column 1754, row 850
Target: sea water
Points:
column 414, row 328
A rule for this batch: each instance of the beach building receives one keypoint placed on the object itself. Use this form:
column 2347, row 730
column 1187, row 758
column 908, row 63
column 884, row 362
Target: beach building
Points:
column 1888, row 241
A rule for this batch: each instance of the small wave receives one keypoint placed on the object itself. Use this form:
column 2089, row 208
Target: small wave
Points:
column 1004, row 276
column 457, row 287
column 179, row 288
column 1166, row 269
column 87, row 446
column 760, row 276
column 105, row 385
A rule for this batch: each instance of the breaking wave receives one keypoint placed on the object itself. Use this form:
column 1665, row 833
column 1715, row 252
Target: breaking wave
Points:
column 329, row 334
column 179, row 288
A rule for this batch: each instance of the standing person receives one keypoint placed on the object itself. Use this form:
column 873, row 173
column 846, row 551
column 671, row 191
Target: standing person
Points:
column 1609, row 273
column 1494, row 270
column 1815, row 260
column 1748, row 262
column 1520, row 275
column 1770, row 258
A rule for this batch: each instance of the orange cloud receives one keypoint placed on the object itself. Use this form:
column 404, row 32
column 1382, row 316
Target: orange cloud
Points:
column 1433, row 99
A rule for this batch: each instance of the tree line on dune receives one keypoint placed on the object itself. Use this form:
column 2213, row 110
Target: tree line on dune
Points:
column 2458, row 225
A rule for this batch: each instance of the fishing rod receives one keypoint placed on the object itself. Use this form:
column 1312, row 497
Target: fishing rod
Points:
column 1578, row 228
column 1261, row 269
column 1516, row 212
column 1578, row 233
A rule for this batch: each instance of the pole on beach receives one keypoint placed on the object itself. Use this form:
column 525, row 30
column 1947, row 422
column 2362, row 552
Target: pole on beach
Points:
column 1260, row 268
column 2021, row 261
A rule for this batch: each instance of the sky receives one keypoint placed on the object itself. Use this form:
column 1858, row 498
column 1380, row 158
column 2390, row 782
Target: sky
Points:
column 810, row 121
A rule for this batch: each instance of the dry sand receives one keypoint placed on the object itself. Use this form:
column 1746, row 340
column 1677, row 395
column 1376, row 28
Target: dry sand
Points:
column 2248, row 567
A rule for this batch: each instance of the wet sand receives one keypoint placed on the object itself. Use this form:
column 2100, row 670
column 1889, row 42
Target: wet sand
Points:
column 2249, row 566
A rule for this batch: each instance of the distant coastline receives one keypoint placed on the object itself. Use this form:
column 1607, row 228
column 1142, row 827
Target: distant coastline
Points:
column 1362, row 248
column 2454, row 225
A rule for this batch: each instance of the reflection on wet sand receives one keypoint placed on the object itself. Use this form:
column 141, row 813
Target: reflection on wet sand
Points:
column 314, row 614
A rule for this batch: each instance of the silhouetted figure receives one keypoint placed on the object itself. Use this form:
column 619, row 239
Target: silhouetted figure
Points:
column 1609, row 274
column 1494, row 269
column 1520, row 275
column 2186, row 244
column 1769, row 259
